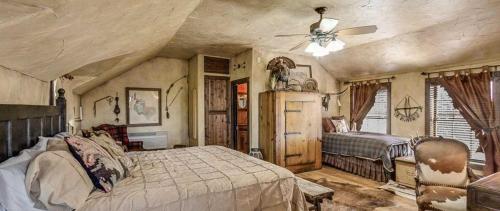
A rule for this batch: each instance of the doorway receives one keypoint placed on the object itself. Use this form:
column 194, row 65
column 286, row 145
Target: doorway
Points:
column 240, row 104
column 217, row 111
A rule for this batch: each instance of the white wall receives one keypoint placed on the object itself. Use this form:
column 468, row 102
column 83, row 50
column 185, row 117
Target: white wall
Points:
column 156, row 73
column 18, row 88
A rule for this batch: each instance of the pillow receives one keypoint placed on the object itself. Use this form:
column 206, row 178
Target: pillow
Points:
column 12, row 175
column 56, row 181
column 328, row 126
column 103, row 170
column 106, row 142
column 340, row 125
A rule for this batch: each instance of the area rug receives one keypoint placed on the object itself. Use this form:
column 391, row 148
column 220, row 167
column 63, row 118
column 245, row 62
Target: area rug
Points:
column 353, row 197
column 399, row 190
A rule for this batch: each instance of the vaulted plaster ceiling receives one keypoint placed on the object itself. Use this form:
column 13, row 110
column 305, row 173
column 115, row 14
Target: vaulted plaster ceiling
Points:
column 48, row 38
column 100, row 39
column 413, row 35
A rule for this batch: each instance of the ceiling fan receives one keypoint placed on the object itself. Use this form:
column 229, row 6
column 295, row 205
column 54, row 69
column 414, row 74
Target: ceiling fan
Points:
column 322, row 37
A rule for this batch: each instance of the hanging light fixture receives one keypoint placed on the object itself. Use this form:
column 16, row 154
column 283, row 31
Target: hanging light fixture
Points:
column 335, row 45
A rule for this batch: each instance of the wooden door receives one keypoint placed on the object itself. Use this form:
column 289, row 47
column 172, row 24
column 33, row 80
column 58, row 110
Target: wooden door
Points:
column 217, row 110
column 301, row 130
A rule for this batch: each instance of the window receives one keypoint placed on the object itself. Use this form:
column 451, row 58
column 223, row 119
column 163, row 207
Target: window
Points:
column 446, row 121
column 378, row 118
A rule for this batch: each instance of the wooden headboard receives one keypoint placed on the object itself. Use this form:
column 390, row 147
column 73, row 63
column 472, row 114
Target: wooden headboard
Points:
column 21, row 125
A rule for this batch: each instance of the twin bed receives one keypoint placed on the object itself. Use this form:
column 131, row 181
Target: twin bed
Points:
column 369, row 155
column 195, row 178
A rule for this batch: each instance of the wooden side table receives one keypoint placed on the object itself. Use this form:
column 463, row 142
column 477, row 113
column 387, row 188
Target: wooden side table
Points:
column 484, row 194
column 314, row 193
column 405, row 171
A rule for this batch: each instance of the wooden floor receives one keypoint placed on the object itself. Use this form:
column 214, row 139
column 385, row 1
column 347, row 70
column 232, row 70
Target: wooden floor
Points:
column 333, row 175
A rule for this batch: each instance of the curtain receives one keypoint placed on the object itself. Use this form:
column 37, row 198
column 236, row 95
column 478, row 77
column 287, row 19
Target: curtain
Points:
column 362, row 100
column 471, row 95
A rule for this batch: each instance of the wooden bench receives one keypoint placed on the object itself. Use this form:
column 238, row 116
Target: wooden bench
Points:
column 314, row 193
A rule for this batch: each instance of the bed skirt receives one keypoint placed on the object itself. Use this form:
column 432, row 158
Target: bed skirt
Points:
column 371, row 169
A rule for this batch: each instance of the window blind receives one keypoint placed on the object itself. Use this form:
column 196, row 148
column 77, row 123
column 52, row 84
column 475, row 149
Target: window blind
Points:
column 376, row 119
column 446, row 121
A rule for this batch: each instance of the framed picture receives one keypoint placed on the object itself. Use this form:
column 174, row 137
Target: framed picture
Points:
column 143, row 106
column 300, row 74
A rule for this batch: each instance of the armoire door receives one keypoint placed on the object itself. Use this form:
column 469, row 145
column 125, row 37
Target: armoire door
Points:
column 217, row 110
column 301, row 131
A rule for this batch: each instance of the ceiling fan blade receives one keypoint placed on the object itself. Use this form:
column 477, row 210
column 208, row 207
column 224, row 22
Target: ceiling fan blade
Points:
column 327, row 24
column 291, row 35
column 358, row 30
column 299, row 45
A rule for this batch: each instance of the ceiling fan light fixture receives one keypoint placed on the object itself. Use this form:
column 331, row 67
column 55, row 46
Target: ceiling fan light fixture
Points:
column 327, row 24
column 335, row 45
column 312, row 47
column 321, row 51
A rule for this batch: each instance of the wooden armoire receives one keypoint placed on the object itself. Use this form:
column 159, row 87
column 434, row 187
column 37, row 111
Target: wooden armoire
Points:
column 290, row 129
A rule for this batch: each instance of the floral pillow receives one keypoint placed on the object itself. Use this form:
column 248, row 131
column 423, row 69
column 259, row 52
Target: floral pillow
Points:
column 103, row 170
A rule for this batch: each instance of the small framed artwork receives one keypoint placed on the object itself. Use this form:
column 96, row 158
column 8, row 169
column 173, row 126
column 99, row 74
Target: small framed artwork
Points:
column 143, row 106
column 300, row 73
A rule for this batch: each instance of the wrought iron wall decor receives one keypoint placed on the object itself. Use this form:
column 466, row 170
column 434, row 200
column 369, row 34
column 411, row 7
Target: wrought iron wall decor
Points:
column 407, row 110
column 108, row 98
column 167, row 104
column 117, row 108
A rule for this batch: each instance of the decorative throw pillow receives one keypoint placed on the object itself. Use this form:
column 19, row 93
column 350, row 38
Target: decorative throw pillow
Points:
column 103, row 170
column 56, row 181
column 340, row 125
column 105, row 141
column 328, row 126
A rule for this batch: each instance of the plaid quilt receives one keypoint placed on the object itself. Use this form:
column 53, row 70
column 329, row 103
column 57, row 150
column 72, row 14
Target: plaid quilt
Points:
column 373, row 146
column 117, row 132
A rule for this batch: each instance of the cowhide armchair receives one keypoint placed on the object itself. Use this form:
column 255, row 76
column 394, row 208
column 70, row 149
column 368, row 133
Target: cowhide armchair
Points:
column 443, row 174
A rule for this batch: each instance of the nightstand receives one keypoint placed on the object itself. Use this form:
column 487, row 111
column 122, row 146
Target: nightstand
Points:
column 405, row 171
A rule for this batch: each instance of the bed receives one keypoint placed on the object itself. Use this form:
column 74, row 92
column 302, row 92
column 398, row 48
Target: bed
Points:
column 194, row 178
column 369, row 155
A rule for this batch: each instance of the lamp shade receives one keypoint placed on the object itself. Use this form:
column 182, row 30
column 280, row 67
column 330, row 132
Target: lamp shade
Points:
column 312, row 47
column 321, row 52
column 327, row 24
column 335, row 45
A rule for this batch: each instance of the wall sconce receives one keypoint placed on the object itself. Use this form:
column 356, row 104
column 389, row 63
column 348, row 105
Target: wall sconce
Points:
column 108, row 98
column 238, row 66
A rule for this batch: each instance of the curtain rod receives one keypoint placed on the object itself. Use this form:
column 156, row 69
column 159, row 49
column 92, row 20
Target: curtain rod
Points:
column 460, row 70
column 376, row 79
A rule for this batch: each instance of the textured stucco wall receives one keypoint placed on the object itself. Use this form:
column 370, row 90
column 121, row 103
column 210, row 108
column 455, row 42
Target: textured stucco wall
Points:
column 155, row 73
column 17, row 88
column 412, row 84
column 259, row 82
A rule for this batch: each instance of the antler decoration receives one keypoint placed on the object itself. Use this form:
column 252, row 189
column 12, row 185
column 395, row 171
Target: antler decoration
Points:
column 167, row 104
column 325, row 101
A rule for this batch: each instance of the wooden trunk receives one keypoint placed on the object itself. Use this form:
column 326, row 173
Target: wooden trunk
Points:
column 290, row 129
column 405, row 171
